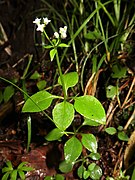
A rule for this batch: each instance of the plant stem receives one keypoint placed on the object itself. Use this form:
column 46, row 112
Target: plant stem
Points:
column 45, row 34
column 29, row 132
column 61, row 76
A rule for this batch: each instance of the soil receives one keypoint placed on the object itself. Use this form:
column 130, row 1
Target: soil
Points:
column 16, row 48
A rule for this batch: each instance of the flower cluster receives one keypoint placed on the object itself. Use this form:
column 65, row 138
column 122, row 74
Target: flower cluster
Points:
column 41, row 25
column 62, row 32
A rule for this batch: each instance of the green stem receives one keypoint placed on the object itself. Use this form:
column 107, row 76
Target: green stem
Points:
column 102, row 29
column 61, row 76
column 29, row 132
column 45, row 34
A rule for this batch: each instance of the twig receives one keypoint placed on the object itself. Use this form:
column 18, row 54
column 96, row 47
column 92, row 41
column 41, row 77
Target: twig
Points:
column 132, row 117
column 119, row 162
column 128, row 94
column 109, row 114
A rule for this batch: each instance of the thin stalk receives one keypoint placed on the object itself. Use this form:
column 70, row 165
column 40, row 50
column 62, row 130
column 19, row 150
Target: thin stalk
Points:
column 102, row 29
column 117, row 93
column 108, row 14
column 61, row 76
column 45, row 34
column 74, row 46
column 117, row 4
column 43, row 41
column 29, row 132
column 67, row 132
column 71, row 30
column 79, row 128
column 24, row 89
column 24, row 75
column 30, row 56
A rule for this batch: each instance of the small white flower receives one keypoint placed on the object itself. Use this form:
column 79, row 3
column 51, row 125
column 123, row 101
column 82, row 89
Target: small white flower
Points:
column 63, row 32
column 65, row 28
column 40, row 27
column 56, row 35
column 37, row 21
column 63, row 36
column 46, row 20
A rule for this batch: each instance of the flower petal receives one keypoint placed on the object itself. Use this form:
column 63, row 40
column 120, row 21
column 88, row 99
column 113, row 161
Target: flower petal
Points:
column 56, row 35
column 37, row 21
column 41, row 27
column 46, row 20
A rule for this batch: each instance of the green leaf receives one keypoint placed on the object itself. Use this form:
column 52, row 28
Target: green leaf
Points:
column 48, row 178
column 65, row 167
column 91, row 166
column 54, row 41
column 13, row 175
column 59, row 177
column 92, row 35
column 91, row 108
column 42, row 100
column 8, row 93
column 111, row 91
column 94, row 63
column 6, row 169
column 80, row 171
column 70, row 79
column 5, row 176
column 118, row 71
column 53, row 135
column 53, row 53
column 120, row 128
column 63, row 45
column 41, row 84
column 90, row 122
column 89, row 142
column 96, row 173
column 48, row 47
column 111, row 130
column 21, row 174
column 72, row 150
column 94, row 156
column 21, row 165
column 109, row 178
column 123, row 136
column 9, row 164
column 63, row 115
column 27, row 168
column 86, row 174
column 133, row 174
column 35, row 75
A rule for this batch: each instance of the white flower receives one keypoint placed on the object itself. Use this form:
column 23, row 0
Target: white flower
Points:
column 46, row 20
column 63, row 32
column 37, row 21
column 41, row 27
column 56, row 35
column 63, row 35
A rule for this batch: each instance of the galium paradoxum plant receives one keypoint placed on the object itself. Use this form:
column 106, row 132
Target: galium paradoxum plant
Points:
column 64, row 112
column 9, row 171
